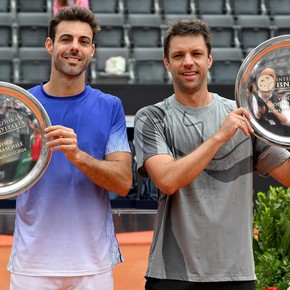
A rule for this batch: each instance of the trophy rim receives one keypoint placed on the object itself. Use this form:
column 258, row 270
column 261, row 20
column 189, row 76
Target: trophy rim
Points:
column 248, row 64
column 26, row 98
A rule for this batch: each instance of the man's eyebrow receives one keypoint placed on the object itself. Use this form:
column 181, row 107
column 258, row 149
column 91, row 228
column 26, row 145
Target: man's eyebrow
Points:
column 65, row 34
column 70, row 35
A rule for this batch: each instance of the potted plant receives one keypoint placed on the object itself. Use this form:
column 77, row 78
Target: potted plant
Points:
column 271, row 239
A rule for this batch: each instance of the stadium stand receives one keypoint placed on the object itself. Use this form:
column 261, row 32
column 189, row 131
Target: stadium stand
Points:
column 112, row 33
column 253, row 30
column 226, row 63
column 32, row 28
column 6, row 29
column 277, row 7
column 148, row 65
column 145, row 30
column 4, row 6
column 141, row 7
column 98, row 68
column 171, row 7
column 33, row 6
column 108, row 6
column 248, row 7
column 224, row 30
column 32, row 65
column 217, row 7
column 128, row 25
column 6, row 64
column 281, row 24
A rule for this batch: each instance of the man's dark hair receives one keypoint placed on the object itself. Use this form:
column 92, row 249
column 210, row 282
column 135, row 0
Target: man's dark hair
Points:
column 187, row 27
column 73, row 13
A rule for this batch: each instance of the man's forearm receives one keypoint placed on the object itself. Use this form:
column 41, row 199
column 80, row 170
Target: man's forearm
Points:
column 113, row 174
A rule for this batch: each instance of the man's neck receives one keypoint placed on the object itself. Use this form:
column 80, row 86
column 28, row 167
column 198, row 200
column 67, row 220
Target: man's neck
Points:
column 64, row 88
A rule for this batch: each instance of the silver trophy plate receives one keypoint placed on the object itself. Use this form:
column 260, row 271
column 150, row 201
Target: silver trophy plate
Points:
column 263, row 88
column 23, row 154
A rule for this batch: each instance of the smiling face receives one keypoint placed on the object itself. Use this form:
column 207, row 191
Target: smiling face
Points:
column 189, row 62
column 72, row 48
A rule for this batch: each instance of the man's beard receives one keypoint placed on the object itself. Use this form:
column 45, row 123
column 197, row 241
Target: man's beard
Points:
column 70, row 70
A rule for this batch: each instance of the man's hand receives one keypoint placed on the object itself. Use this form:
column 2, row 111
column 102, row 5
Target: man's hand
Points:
column 63, row 139
column 238, row 119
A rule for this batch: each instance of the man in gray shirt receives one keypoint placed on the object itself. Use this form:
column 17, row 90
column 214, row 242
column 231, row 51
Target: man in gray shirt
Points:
column 197, row 148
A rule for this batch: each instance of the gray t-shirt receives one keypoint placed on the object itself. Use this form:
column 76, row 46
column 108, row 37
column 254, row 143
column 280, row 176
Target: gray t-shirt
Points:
column 203, row 232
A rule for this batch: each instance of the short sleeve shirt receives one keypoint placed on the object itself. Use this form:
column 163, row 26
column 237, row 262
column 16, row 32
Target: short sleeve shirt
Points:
column 203, row 231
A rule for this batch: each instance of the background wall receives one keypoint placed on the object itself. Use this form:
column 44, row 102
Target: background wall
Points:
column 136, row 96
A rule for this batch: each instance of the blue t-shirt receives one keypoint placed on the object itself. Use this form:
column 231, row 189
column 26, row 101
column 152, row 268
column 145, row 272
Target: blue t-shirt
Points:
column 64, row 223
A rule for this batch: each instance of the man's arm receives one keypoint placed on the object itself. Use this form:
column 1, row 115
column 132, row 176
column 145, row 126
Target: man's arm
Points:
column 169, row 174
column 114, row 173
column 282, row 173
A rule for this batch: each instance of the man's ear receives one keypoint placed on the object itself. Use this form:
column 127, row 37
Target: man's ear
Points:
column 93, row 50
column 49, row 45
column 166, row 63
column 209, row 61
